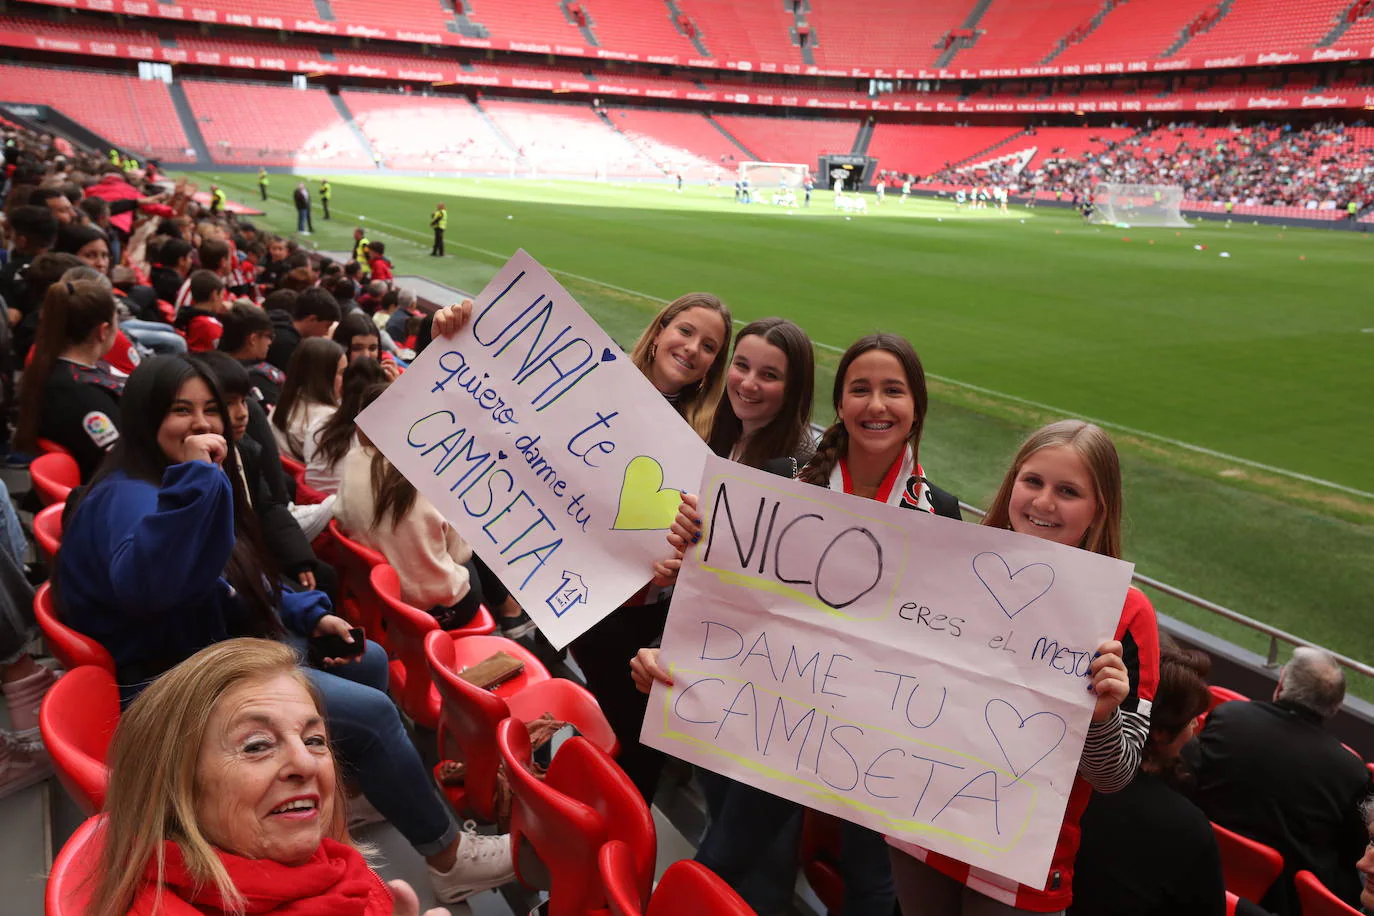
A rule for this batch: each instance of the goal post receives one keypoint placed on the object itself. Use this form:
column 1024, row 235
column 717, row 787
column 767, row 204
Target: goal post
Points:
column 773, row 174
column 1139, row 205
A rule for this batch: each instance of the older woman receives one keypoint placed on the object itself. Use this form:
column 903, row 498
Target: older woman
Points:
column 224, row 796
column 1366, row 864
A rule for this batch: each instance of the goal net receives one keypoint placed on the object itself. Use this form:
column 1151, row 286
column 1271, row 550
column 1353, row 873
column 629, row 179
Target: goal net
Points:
column 765, row 175
column 1139, row 205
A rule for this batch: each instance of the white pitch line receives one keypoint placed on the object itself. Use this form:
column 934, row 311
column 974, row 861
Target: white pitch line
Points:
column 1048, row 408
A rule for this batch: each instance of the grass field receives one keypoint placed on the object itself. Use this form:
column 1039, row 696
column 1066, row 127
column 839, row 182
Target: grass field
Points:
column 1240, row 390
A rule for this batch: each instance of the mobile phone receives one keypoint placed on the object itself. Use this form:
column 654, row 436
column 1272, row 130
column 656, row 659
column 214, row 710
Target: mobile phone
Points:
column 332, row 646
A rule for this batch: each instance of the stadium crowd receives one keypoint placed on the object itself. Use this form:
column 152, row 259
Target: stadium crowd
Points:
column 185, row 358
column 1322, row 167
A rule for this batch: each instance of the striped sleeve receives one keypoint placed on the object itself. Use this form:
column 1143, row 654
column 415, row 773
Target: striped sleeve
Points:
column 1112, row 751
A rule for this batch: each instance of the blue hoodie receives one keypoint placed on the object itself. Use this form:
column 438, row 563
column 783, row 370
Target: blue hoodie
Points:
column 141, row 570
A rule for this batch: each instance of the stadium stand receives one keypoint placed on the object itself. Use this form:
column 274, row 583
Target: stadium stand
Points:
column 414, row 15
column 630, row 25
column 1062, row 143
column 88, row 31
column 418, row 132
column 272, row 125
column 1022, row 32
column 744, row 31
column 921, row 149
column 884, row 33
column 136, row 114
column 1251, row 25
column 1133, row 31
column 530, row 21
column 684, row 141
column 284, row 9
column 790, row 139
column 567, row 139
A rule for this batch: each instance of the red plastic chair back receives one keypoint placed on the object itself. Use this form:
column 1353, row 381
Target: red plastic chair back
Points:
column 77, row 720
column 584, row 800
column 1219, row 695
column 820, row 858
column 1248, row 866
column 1315, row 900
column 54, row 475
column 69, row 647
column 358, row 602
column 292, row 467
column 1232, row 901
column 407, row 627
column 47, row 529
column 70, row 887
column 468, row 717
column 49, row 447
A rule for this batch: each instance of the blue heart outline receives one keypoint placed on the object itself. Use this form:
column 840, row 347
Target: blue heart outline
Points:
column 1063, row 730
column 1010, row 576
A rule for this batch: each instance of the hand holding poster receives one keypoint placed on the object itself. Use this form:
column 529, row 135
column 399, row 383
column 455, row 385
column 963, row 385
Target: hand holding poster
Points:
column 923, row 677
column 543, row 445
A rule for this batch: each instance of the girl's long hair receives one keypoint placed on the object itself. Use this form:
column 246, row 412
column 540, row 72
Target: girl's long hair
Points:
column 148, row 396
column 834, row 443
column 697, row 401
column 153, row 760
column 1182, row 696
column 1099, row 456
column 335, row 437
column 309, row 379
column 787, row 434
column 392, row 495
column 72, row 312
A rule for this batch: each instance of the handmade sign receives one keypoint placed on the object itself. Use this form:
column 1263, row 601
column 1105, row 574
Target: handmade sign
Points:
column 544, row 446
column 923, row 677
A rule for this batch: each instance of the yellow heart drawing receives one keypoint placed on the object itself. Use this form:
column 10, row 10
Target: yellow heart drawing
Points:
column 644, row 504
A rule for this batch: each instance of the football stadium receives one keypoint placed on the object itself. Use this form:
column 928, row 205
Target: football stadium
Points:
column 229, row 231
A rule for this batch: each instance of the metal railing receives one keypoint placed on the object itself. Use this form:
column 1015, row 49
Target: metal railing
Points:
column 1275, row 635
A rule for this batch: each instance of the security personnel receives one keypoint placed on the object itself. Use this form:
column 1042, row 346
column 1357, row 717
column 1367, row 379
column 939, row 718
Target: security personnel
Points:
column 438, row 221
column 262, row 182
column 324, row 196
column 217, row 199
column 115, row 158
column 360, row 244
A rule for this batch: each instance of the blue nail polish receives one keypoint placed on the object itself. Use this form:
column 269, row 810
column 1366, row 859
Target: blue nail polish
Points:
column 696, row 537
column 1090, row 688
column 1097, row 655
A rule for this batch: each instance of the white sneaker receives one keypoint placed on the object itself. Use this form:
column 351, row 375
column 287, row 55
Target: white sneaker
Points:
column 483, row 862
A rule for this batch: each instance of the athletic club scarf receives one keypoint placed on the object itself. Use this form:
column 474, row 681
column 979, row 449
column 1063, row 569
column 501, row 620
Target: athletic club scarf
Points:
column 914, row 494
column 333, row 882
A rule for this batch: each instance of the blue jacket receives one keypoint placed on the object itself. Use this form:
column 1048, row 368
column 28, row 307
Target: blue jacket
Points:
column 141, row 570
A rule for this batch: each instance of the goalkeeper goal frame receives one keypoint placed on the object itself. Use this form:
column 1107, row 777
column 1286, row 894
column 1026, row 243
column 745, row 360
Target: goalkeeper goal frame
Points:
column 794, row 174
column 1139, row 205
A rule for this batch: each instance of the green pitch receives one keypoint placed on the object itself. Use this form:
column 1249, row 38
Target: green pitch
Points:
column 1240, row 389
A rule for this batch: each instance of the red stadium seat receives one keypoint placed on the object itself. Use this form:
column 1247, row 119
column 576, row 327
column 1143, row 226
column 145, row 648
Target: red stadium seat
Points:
column 47, row 530
column 1222, row 695
column 77, row 720
column 1232, row 901
column 687, row 888
column 54, row 475
column 69, row 647
column 583, row 801
column 407, row 628
column 1316, row 900
column 357, row 599
column 820, row 858
column 469, row 715
column 49, row 447
column 70, row 885
column 1249, row 866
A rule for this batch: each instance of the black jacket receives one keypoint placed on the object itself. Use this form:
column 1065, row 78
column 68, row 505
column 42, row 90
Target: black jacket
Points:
column 80, row 412
column 262, row 471
column 1271, row 772
column 166, row 282
column 285, row 339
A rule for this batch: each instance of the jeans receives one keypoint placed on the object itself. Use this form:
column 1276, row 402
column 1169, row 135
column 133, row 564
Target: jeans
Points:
column 751, row 841
column 302, row 220
column 156, row 336
column 867, row 872
column 372, row 744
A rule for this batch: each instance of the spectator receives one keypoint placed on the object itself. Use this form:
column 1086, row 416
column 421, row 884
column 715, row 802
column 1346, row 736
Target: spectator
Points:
column 170, row 269
column 331, row 435
column 405, row 310
column 312, row 314
column 1147, row 850
column 378, row 263
column 70, row 396
column 305, row 225
column 1270, row 771
column 248, row 333
column 57, row 202
column 200, row 320
column 33, row 230
column 310, row 393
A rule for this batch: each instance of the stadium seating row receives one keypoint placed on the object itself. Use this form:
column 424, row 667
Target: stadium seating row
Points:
column 832, row 36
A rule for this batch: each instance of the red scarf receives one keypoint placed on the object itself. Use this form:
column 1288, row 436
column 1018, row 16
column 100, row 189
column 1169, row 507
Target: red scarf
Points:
column 334, row 882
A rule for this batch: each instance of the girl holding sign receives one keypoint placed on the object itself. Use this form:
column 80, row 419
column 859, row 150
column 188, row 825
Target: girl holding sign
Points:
column 1065, row 486
column 763, row 422
column 679, row 354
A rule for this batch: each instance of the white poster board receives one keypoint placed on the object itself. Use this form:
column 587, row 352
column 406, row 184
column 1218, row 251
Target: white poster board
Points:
column 544, row 446
column 921, row 676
